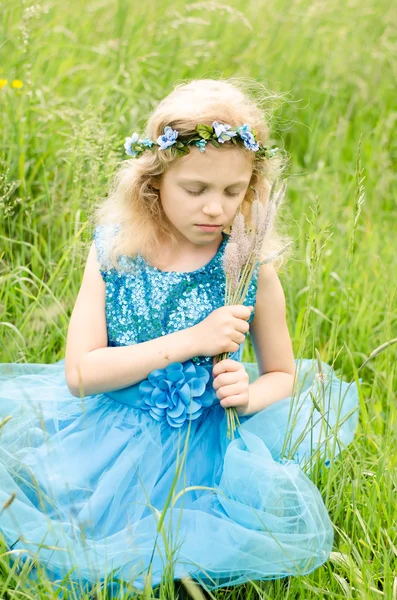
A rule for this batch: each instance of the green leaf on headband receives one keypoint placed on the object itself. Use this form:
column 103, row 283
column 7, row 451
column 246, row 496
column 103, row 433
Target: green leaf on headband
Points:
column 182, row 151
column 205, row 131
column 179, row 144
column 234, row 141
column 216, row 143
column 262, row 153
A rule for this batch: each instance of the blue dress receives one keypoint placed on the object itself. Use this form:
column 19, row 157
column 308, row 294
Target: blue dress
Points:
column 87, row 482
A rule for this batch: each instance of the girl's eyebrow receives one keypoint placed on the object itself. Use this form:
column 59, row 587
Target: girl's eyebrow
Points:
column 183, row 180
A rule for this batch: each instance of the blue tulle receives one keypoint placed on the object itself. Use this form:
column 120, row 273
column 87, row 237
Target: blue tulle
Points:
column 92, row 477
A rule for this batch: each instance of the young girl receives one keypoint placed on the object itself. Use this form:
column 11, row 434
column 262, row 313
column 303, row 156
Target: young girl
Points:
column 117, row 459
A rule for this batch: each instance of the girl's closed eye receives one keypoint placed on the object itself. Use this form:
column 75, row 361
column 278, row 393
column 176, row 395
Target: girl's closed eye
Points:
column 193, row 192
column 197, row 193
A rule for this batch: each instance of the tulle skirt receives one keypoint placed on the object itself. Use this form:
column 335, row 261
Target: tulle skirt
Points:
column 95, row 488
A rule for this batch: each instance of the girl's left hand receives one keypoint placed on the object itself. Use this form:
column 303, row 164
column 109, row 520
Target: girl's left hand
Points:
column 231, row 384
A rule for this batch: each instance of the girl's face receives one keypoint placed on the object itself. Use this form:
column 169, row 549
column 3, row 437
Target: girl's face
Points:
column 204, row 188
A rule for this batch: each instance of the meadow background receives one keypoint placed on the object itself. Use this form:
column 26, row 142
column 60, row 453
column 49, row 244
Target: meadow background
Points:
column 78, row 77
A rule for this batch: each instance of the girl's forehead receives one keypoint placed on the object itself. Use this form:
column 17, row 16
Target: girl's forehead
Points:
column 197, row 164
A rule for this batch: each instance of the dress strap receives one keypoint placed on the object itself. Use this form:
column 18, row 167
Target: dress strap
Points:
column 103, row 234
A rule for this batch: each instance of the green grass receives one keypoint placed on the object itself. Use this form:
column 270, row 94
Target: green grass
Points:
column 91, row 72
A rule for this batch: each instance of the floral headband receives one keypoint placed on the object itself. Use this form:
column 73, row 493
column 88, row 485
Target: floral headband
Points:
column 218, row 133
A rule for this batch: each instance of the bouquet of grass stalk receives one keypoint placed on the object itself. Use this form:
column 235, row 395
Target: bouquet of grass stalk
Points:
column 241, row 257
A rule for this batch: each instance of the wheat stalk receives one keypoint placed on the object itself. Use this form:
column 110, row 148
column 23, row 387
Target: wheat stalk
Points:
column 242, row 257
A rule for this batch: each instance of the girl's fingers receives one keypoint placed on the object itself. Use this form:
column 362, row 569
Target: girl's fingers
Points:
column 225, row 365
column 225, row 379
column 229, row 390
column 230, row 401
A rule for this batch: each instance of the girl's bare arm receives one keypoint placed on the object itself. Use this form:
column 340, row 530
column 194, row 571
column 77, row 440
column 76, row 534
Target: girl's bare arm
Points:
column 90, row 366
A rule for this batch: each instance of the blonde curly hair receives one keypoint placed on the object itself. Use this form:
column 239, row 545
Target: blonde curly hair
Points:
column 133, row 202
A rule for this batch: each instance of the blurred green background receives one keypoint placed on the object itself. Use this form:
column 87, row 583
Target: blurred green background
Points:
column 78, row 77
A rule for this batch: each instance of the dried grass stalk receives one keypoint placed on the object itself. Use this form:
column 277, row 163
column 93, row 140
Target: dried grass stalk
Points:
column 241, row 258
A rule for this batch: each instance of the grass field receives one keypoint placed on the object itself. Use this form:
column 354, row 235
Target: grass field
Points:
column 78, row 77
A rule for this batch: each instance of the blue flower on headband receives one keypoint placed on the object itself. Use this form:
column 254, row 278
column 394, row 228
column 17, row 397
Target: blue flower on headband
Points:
column 201, row 144
column 169, row 138
column 129, row 141
column 246, row 135
column 147, row 142
column 223, row 132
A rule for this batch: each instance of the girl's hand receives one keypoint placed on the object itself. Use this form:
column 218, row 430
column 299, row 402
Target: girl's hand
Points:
column 231, row 384
column 223, row 330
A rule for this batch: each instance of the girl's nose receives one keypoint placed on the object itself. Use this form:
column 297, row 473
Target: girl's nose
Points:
column 213, row 207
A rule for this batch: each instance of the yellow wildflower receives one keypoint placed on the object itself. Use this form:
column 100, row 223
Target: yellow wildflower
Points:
column 3, row 82
column 17, row 83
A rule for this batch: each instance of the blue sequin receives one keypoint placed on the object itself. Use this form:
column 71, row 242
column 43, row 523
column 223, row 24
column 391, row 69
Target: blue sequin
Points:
column 147, row 303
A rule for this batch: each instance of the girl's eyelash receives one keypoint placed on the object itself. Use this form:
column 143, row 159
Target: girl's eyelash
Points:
column 198, row 193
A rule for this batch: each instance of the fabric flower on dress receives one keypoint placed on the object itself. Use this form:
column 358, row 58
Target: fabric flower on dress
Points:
column 168, row 139
column 177, row 393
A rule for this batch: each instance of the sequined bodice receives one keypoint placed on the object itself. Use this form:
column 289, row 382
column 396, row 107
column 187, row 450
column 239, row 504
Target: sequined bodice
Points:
column 148, row 303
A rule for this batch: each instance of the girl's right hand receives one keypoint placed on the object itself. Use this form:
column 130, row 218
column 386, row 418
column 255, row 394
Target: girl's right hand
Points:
column 223, row 330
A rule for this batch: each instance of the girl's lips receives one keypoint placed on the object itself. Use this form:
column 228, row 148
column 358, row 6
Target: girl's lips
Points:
column 209, row 228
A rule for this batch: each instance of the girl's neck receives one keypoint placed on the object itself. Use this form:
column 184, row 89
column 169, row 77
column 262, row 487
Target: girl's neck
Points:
column 186, row 260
